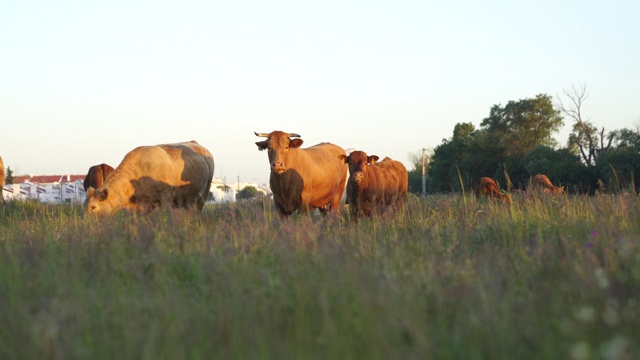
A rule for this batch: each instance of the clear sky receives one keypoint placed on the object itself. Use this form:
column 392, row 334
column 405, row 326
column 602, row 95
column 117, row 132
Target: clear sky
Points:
column 84, row 82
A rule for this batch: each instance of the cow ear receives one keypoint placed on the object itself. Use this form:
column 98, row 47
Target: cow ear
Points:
column 90, row 191
column 262, row 144
column 295, row 143
column 101, row 194
column 372, row 159
column 344, row 158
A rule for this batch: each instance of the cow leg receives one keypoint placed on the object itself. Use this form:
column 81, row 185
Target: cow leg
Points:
column 280, row 211
column 199, row 203
column 334, row 205
column 304, row 208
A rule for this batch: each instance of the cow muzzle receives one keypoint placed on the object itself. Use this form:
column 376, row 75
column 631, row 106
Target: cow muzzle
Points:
column 277, row 167
column 358, row 177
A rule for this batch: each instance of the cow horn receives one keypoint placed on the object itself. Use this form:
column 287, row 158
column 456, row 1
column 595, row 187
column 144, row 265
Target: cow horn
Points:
column 267, row 135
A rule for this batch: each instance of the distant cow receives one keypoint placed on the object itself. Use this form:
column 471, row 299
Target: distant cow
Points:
column 1, row 179
column 487, row 187
column 168, row 175
column 375, row 186
column 541, row 182
column 96, row 176
column 303, row 179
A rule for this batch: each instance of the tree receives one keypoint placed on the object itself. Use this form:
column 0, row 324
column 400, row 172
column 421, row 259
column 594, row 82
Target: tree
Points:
column 584, row 137
column 447, row 157
column 620, row 169
column 521, row 126
column 624, row 138
column 248, row 192
column 619, row 166
column 498, row 147
column 8, row 180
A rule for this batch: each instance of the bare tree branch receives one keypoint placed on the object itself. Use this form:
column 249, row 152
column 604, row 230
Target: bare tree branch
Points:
column 590, row 141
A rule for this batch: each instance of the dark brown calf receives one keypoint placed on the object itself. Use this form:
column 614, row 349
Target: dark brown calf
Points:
column 375, row 186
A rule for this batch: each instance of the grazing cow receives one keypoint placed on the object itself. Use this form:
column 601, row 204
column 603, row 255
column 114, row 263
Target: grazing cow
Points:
column 375, row 186
column 168, row 175
column 303, row 179
column 541, row 182
column 1, row 179
column 487, row 187
column 96, row 176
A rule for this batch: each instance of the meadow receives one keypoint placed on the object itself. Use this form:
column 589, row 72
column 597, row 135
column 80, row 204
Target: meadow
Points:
column 451, row 278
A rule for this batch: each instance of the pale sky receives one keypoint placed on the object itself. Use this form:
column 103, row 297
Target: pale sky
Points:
column 84, row 82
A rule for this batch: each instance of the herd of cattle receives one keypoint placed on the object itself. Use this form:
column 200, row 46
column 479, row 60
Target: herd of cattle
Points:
column 302, row 179
column 487, row 187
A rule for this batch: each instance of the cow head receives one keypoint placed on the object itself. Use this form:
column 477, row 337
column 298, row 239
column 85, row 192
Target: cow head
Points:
column 97, row 203
column 278, row 145
column 358, row 162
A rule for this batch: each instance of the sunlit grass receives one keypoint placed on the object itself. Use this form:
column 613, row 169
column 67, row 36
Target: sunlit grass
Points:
column 451, row 277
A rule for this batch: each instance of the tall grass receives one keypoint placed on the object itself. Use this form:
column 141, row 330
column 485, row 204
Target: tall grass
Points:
column 451, row 278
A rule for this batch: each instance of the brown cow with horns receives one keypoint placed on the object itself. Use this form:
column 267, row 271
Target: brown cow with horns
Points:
column 303, row 179
column 374, row 186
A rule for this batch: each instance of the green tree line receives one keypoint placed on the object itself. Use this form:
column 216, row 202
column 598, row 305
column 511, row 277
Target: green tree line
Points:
column 516, row 141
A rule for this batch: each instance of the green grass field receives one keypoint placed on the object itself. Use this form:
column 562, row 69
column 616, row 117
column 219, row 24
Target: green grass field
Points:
column 451, row 278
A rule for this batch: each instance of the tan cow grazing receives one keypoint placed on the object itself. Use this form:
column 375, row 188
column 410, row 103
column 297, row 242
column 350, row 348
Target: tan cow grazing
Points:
column 303, row 179
column 2, row 175
column 487, row 187
column 168, row 175
column 373, row 186
column 96, row 176
column 541, row 182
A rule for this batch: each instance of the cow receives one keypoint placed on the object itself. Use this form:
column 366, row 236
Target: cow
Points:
column 303, row 179
column 487, row 187
column 375, row 186
column 541, row 182
column 96, row 175
column 168, row 176
column 2, row 175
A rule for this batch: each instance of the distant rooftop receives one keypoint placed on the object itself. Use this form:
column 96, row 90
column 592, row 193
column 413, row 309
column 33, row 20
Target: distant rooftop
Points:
column 47, row 179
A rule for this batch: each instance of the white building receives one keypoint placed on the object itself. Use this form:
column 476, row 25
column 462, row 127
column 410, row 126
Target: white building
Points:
column 46, row 188
column 224, row 192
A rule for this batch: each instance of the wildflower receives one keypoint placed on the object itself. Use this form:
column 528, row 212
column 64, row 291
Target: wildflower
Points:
column 602, row 278
column 580, row 351
column 585, row 314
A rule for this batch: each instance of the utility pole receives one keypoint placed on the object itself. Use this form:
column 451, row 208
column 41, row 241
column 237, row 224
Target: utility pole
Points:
column 424, row 172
